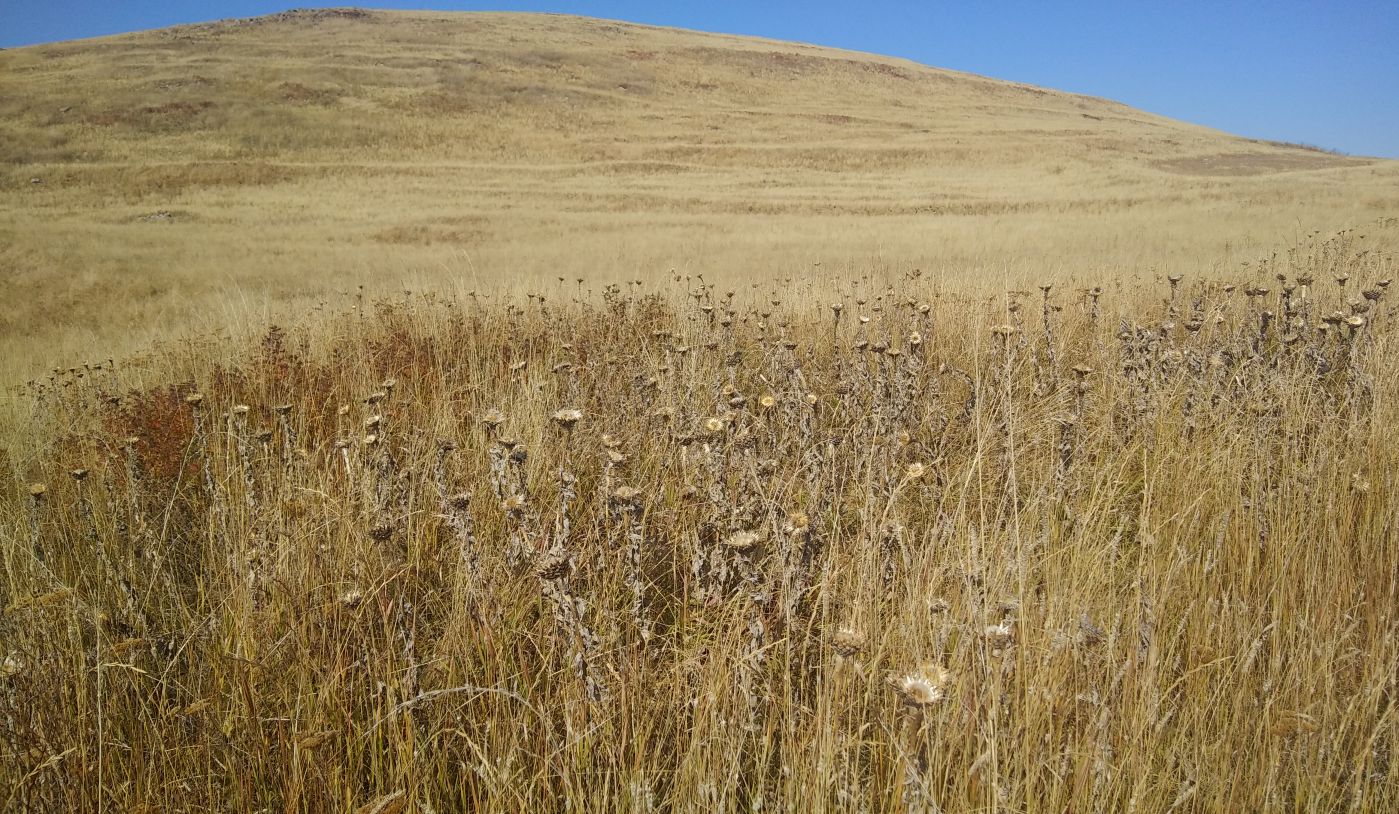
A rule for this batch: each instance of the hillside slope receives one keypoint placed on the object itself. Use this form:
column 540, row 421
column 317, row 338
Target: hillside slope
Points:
column 146, row 178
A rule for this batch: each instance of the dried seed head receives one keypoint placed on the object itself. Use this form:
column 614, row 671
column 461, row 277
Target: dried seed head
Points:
column 493, row 418
column 513, row 505
column 923, row 687
column 1001, row 634
column 797, row 523
column 626, row 496
column 375, row 397
column 78, row 474
column 240, row 409
column 343, row 410
column 767, row 401
column 194, row 399
column 743, row 541
column 568, row 417
column 10, row 665
column 714, row 425
column 915, row 471
column 37, row 490
column 371, row 439
column 352, row 597
column 847, row 642
column 518, row 366
column 610, row 442
column 373, row 422
column 615, row 458
column 552, row 568
column 263, row 435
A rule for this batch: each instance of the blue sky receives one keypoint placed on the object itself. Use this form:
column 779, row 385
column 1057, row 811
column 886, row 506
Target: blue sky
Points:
column 1323, row 72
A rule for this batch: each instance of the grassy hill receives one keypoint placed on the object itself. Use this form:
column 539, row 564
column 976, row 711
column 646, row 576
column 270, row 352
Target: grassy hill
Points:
column 189, row 176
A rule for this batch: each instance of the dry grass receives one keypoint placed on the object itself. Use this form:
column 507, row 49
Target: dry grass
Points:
column 674, row 422
column 666, row 547
column 301, row 156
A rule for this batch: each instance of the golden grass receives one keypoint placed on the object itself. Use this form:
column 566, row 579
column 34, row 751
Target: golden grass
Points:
column 666, row 547
column 677, row 422
column 301, row 156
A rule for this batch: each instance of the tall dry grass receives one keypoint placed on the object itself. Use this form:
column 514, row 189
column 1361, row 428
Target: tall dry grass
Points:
column 880, row 544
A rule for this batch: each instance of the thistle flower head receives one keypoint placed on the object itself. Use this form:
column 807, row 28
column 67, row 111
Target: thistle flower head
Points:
column 797, row 523
column 1001, row 634
column 924, row 686
column 743, row 541
column 568, row 417
column 847, row 642
column 552, row 568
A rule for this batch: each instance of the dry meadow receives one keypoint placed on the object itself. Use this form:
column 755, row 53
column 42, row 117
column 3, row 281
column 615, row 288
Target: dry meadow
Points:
column 420, row 412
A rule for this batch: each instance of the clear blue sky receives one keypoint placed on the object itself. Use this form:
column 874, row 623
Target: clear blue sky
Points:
column 1323, row 72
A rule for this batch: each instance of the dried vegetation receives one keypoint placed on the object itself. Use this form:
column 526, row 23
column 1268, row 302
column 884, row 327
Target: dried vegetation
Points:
column 868, row 546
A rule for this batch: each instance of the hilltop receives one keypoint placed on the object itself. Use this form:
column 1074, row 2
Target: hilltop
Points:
column 148, row 180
